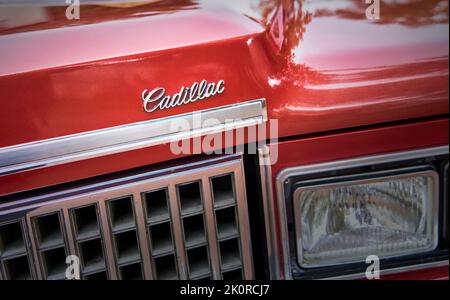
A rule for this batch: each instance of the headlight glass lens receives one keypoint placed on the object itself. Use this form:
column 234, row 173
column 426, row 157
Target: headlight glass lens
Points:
column 346, row 222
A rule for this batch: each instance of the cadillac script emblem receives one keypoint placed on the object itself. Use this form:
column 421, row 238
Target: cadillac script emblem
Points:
column 157, row 99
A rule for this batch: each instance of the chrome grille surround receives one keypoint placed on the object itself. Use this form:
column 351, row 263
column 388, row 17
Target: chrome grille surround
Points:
column 144, row 226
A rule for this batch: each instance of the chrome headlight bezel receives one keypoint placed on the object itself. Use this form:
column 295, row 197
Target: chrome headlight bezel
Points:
column 445, row 199
column 432, row 212
column 292, row 174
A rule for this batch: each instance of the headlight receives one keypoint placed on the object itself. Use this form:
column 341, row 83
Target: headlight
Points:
column 389, row 215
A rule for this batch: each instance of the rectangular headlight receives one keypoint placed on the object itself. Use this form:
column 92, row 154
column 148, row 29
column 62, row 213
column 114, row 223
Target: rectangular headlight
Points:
column 386, row 215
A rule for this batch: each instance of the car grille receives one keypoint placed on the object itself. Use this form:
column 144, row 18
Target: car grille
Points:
column 186, row 222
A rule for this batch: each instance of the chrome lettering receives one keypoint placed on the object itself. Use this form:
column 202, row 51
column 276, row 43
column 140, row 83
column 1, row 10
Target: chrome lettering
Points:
column 157, row 99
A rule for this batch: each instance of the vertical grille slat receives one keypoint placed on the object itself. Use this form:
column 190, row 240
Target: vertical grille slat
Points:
column 187, row 225
column 211, row 231
column 180, row 253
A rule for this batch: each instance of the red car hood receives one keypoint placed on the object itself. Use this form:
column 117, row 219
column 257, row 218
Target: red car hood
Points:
column 334, row 68
column 320, row 65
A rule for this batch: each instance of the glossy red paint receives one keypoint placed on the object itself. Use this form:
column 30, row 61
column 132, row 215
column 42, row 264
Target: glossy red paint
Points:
column 350, row 144
column 440, row 273
column 331, row 69
column 358, row 143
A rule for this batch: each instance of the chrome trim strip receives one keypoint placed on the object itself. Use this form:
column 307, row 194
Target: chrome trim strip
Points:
column 269, row 209
column 432, row 213
column 337, row 165
column 70, row 148
column 398, row 270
